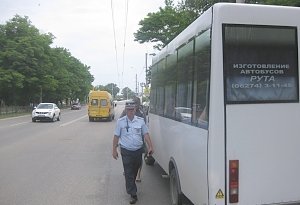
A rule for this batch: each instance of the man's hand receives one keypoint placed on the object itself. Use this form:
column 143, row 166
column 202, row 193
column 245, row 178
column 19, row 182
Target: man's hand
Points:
column 115, row 146
column 115, row 153
column 149, row 143
column 150, row 151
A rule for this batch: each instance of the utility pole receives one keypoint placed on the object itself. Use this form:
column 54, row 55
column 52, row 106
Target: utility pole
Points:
column 142, row 85
column 147, row 70
column 136, row 85
column 146, row 64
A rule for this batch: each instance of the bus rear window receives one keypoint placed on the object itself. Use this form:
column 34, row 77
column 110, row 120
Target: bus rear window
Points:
column 94, row 102
column 103, row 102
column 260, row 64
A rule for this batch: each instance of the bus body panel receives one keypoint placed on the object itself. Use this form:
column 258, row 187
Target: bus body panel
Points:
column 190, row 141
column 263, row 137
column 99, row 112
column 266, row 145
column 216, row 128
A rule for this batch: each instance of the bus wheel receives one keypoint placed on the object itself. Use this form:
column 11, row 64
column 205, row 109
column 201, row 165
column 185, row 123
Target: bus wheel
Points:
column 176, row 196
column 91, row 119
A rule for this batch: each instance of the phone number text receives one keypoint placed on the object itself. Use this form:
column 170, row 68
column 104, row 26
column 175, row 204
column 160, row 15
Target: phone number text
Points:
column 261, row 85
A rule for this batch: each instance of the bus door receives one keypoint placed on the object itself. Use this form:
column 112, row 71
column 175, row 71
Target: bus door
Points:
column 94, row 107
column 104, row 108
column 262, row 114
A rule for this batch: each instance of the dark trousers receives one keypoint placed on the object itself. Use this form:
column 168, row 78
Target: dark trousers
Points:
column 132, row 160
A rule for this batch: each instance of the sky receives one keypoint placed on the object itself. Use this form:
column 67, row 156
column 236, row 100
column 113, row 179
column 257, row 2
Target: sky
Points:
column 86, row 29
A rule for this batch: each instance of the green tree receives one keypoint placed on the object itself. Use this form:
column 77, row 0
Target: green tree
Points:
column 25, row 52
column 161, row 27
column 281, row 2
column 99, row 87
column 112, row 88
column 31, row 70
column 127, row 93
column 10, row 80
column 164, row 25
column 73, row 76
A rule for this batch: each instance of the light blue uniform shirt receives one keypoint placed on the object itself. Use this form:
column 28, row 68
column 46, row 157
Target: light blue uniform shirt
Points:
column 131, row 133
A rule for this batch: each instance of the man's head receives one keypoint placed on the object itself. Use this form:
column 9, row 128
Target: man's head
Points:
column 130, row 107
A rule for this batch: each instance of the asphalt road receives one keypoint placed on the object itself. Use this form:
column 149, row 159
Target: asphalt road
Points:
column 68, row 162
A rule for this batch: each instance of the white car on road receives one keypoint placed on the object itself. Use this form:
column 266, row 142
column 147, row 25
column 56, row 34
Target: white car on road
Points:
column 46, row 112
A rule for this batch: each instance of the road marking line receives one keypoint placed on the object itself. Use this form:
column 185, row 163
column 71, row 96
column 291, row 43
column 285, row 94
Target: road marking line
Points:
column 18, row 124
column 68, row 123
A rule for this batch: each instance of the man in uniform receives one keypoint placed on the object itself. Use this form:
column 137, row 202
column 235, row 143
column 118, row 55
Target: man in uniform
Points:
column 129, row 134
column 140, row 113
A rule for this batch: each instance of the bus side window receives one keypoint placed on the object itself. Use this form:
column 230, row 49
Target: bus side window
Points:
column 201, row 81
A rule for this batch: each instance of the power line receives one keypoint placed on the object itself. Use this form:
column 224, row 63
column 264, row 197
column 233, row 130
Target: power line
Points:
column 115, row 39
column 125, row 30
column 124, row 43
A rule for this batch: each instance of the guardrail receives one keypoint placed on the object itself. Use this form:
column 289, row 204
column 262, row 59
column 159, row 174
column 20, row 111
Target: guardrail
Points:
column 19, row 110
column 5, row 110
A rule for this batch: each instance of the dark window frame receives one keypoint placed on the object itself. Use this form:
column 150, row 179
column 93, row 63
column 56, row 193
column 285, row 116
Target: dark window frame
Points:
column 295, row 77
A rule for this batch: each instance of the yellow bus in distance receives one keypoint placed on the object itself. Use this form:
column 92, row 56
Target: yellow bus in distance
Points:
column 100, row 105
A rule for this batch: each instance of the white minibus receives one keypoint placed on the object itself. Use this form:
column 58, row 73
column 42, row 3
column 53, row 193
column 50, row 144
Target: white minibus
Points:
column 224, row 111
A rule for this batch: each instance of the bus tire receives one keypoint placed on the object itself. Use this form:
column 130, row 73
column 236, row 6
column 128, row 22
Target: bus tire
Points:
column 175, row 190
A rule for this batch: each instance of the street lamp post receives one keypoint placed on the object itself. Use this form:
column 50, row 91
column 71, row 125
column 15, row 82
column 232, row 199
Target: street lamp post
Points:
column 136, row 81
column 142, row 85
column 146, row 55
column 136, row 85
column 146, row 62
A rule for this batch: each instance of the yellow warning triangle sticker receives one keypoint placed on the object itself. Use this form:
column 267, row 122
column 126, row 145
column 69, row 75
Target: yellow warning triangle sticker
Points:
column 219, row 194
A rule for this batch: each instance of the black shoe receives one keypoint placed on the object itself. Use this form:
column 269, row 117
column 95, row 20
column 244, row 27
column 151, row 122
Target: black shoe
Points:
column 133, row 199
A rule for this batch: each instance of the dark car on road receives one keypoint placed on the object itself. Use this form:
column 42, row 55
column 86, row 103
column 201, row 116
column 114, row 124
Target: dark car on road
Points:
column 76, row 106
